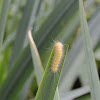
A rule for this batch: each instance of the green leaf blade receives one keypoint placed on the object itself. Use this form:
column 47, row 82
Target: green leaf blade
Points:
column 36, row 59
column 50, row 79
column 3, row 18
column 92, row 71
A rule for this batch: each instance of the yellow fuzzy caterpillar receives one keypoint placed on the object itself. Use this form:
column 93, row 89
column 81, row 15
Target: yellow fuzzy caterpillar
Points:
column 58, row 54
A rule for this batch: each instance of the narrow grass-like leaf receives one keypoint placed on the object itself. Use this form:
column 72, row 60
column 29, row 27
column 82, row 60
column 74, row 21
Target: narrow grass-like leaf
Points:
column 50, row 79
column 6, row 43
column 29, row 15
column 92, row 71
column 36, row 59
column 15, row 20
column 37, row 63
column 0, row 7
column 4, row 14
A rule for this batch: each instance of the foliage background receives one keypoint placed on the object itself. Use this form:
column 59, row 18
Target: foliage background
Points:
column 43, row 19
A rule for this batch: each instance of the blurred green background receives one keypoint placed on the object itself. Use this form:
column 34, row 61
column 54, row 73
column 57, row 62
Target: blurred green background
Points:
column 49, row 20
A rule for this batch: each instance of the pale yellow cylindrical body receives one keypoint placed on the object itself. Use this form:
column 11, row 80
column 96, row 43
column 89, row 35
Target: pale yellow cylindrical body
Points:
column 58, row 54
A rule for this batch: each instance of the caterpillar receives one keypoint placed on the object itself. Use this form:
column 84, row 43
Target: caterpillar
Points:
column 58, row 54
